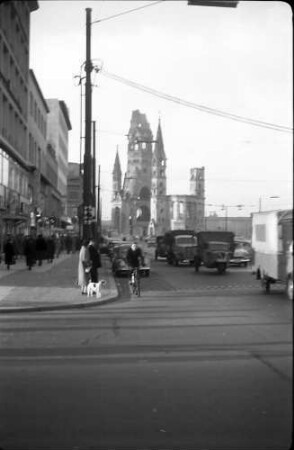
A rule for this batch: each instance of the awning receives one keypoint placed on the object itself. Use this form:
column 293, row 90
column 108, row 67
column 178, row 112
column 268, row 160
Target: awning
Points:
column 14, row 218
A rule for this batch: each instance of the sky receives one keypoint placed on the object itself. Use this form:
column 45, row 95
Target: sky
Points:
column 235, row 61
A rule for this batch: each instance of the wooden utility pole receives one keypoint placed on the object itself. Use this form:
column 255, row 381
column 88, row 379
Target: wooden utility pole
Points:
column 87, row 175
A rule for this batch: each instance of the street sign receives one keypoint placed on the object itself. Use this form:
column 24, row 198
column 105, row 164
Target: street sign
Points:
column 89, row 215
column 228, row 4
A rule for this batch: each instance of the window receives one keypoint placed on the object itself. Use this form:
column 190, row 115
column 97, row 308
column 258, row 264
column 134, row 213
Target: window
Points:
column 260, row 232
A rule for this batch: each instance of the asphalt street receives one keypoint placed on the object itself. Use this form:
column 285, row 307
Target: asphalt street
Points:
column 210, row 369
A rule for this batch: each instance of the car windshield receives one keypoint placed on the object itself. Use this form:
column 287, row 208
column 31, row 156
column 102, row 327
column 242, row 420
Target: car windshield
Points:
column 218, row 245
column 184, row 240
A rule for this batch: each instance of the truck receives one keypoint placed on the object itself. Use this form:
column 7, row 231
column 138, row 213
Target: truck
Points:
column 272, row 244
column 215, row 250
column 180, row 246
column 161, row 248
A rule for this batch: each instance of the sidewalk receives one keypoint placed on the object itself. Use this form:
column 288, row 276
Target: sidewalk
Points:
column 51, row 286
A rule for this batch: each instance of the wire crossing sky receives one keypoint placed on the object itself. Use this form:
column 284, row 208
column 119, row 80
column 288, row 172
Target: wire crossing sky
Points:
column 203, row 108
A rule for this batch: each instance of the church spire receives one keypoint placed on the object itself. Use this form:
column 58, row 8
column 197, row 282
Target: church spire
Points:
column 159, row 147
column 116, row 175
column 116, row 167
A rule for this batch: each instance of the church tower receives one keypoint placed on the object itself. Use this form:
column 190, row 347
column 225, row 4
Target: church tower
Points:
column 116, row 194
column 197, row 189
column 137, row 182
column 159, row 212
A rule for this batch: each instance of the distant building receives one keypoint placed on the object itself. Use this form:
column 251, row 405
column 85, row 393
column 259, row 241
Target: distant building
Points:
column 41, row 156
column 74, row 193
column 140, row 204
column 241, row 226
column 58, row 126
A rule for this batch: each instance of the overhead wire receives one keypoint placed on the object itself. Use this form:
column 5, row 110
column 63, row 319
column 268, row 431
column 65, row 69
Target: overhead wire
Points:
column 126, row 12
column 202, row 108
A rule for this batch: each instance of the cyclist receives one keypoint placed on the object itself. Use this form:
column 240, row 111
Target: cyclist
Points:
column 135, row 258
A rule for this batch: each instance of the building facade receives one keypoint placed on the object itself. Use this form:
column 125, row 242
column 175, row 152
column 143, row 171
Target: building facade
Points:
column 75, row 195
column 140, row 204
column 15, row 168
column 58, row 127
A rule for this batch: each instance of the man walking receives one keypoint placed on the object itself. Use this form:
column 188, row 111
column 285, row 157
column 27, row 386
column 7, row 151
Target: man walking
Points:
column 95, row 261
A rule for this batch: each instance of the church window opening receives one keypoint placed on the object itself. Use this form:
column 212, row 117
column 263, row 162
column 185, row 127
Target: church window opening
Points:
column 143, row 145
column 136, row 146
column 145, row 214
column 181, row 209
column 145, row 193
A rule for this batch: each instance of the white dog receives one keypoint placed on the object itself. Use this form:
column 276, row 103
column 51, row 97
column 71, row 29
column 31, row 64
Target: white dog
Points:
column 95, row 288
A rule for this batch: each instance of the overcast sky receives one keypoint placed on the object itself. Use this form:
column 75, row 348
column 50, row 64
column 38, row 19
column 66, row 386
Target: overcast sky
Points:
column 236, row 61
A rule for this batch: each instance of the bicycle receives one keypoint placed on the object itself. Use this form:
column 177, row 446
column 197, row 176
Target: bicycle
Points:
column 135, row 281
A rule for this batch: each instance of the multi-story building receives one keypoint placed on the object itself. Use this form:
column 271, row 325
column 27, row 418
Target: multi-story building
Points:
column 74, row 194
column 58, row 126
column 141, row 205
column 15, row 169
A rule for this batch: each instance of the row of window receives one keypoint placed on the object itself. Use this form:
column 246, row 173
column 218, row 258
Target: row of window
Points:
column 11, row 126
column 12, row 175
column 13, row 78
column 37, row 115
column 13, row 17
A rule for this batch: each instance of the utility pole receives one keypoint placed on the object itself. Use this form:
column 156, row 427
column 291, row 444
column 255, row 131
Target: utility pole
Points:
column 98, row 209
column 94, row 223
column 87, row 176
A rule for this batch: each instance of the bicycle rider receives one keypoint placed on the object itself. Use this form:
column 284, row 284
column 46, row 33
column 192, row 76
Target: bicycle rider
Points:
column 135, row 258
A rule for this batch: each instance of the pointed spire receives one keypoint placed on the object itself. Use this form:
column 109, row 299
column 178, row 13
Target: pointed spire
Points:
column 159, row 147
column 116, row 167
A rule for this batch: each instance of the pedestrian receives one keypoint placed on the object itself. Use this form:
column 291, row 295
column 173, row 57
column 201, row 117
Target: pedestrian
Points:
column 50, row 248
column 30, row 251
column 95, row 261
column 84, row 267
column 68, row 243
column 41, row 249
column 9, row 252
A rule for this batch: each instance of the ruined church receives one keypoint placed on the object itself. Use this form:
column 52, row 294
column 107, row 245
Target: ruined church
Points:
column 140, row 204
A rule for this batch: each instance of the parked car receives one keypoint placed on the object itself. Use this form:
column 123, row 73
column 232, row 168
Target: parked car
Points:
column 241, row 256
column 119, row 261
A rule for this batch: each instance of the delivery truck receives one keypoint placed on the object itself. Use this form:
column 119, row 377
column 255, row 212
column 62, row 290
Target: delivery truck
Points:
column 272, row 244
column 180, row 246
column 215, row 250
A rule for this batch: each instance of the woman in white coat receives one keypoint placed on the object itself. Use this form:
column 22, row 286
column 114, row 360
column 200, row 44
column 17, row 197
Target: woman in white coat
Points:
column 84, row 261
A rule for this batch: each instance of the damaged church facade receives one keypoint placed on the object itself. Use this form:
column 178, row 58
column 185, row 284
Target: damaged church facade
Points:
column 140, row 204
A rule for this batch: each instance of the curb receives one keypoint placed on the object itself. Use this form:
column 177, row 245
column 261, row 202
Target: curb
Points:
column 108, row 299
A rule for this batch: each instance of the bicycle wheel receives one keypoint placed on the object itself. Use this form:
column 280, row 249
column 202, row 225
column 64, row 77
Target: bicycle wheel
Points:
column 138, row 285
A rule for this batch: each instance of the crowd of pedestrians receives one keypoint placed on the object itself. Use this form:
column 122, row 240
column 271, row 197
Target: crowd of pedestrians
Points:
column 37, row 249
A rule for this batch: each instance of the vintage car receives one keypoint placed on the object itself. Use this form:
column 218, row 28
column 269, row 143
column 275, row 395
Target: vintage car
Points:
column 242, row 255
column 119, row 261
